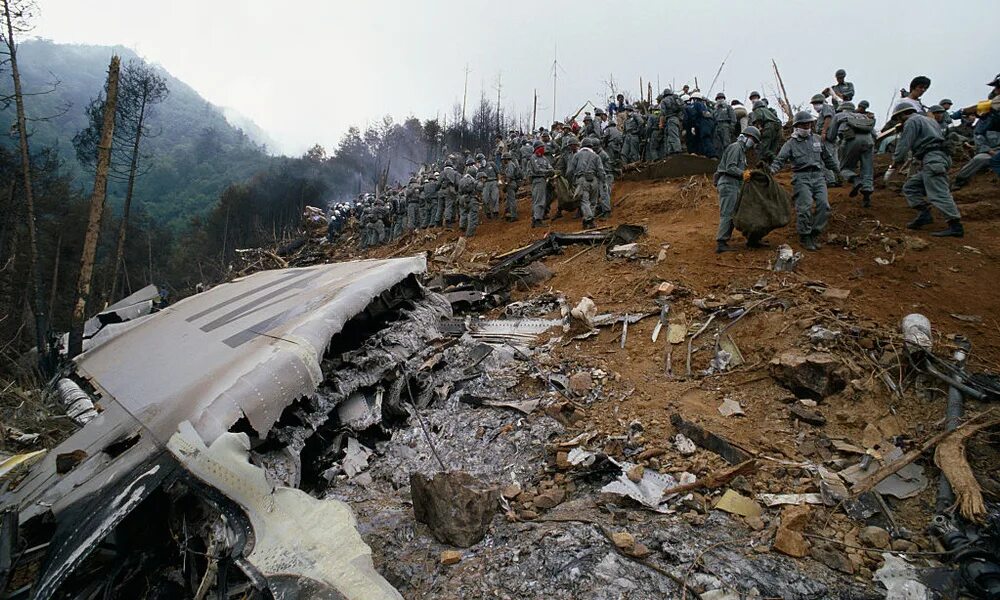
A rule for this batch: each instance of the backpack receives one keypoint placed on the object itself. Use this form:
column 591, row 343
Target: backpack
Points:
column 860, row 122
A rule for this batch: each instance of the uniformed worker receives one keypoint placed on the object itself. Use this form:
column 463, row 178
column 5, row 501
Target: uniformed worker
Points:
column 586, row 171
column 729, row 176
column 539, row 170
column 927, row 185
column 857, row 149
column 807, row 155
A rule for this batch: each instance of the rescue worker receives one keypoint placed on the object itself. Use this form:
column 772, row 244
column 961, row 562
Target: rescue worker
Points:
column 511, row 177
column 412, row 204
column 448, row 191
column 467, row 195
column 584, row 168
column 431, row 201
column 824, row 129
column 613, row 140
column 986, row 138
column 491, row 191
column 725, row 123
column 927, row 184
column 633, row 128
column 857, row 145
column 729, row 178
column 671, row 121
column 654, row 136
column 807, row 155
column 843, row 91
column 604, row 205
column 539, row 170
column 770, row 129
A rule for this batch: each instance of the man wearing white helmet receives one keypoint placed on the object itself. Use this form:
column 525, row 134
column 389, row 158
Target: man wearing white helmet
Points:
column 807, row 155
column 729, row 177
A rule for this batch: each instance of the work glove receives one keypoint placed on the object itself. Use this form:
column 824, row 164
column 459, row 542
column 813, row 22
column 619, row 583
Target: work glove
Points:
column 746, row 175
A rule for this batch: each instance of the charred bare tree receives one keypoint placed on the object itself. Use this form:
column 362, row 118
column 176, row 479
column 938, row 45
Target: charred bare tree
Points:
column 97, row 198
column 16, row 16
column 140, row 88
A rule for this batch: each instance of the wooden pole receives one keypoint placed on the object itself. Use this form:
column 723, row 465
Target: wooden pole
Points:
column 97, row 199
column 534, row 111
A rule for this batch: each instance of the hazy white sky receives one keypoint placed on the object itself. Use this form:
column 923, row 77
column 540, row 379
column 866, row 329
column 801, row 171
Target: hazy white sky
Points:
column 306, row 70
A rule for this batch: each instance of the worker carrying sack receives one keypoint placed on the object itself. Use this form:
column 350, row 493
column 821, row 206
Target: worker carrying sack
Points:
column 860, row 123
column 763, row 206
column 560, row 189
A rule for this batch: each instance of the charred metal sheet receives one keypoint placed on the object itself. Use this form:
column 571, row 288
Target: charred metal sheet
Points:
column 298, row 537
column 552, row 243
column 249, row 347
column 90, row 520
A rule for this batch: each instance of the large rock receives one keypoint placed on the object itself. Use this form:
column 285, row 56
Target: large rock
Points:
column 814, row 375
column 456, row 506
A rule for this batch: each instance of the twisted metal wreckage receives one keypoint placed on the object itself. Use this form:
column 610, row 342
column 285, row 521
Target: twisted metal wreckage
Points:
column 172, row 386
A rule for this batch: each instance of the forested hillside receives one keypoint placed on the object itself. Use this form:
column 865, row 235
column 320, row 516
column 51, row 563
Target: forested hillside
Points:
column 194, row 153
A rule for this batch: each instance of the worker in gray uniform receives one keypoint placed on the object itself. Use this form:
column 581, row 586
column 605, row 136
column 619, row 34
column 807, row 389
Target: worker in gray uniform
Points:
column 725, row 122
column 842, row 91
column 671, row 121
column 824, row 125
column 412, row 204
column 539, row 170
column 431, row 201
column 729, row 178
column 448, row 191
column 613, row 139
column 511, row 177
column 927, row 185
column 467, row 190
column 654, row 136
column 604, row 205
column 633, row 129
column 770, row 129
column 806, row 153
column 491, row 191
column 586, row 171
column 857, row 149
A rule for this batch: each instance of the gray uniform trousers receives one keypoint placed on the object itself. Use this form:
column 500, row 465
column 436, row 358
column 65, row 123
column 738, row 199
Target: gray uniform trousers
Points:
column 723, row 135
column 672, row 135
column 463, row 210
column 630, row 148
column 539, row 198
column 812, row 206
column 729, row 194
column 450, row 205
column 412, row 221
column 491, row 197
column 859, row 151
column 928, row 185
column 605, row 205
column 654, row 147
column 976, row 165
column 588, row 192
column 510, row 192
column 472, row 215
column 437, row 208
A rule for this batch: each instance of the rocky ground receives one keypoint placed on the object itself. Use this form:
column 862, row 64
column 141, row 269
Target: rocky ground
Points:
column 561, row 537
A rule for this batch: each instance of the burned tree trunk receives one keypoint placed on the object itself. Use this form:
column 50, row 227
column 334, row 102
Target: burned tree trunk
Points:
column 96, row 211
column 38, row 301
column 120, row 250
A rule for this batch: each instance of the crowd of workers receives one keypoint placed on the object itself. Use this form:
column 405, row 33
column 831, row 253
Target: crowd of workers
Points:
column 574, row 163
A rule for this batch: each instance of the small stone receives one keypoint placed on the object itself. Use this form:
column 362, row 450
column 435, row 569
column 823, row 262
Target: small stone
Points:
column 635, row 473
column 651, row 453
column 915, row 243
column 528, row 515
column 451, row 557
column 833, row 558
column 875, row 537
column 836, row 294
column 904, row 546
column 640, row 551
column 512, row 491
column 754, row 522
column 790, row 542
column 796, row 518
column 806, row 415
column 562, row 460
column 550, row 498
column 623, row 540
column 664, row 289
column 580, row 383
column 816, row 374
column 807, row 402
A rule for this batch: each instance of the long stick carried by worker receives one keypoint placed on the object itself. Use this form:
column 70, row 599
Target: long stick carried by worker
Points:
column 719, row 72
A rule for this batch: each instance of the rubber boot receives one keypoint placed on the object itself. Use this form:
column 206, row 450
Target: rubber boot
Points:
column 756, row 242
column 721, row 246
column 588, row 224
column 866, row 201
column 815, row 239
column 954, row 229
column 536, row 223
column 855, row 189
column 923, row 218
column 807, row 242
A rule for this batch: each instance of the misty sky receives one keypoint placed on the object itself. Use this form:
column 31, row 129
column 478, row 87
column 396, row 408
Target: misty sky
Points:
column 306, row 70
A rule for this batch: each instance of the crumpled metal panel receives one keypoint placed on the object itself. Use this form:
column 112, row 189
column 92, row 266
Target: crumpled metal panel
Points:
column 250, row 346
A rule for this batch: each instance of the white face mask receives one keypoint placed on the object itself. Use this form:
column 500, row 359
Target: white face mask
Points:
column 750, row 143
column 801, row 133
column 818, row 106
